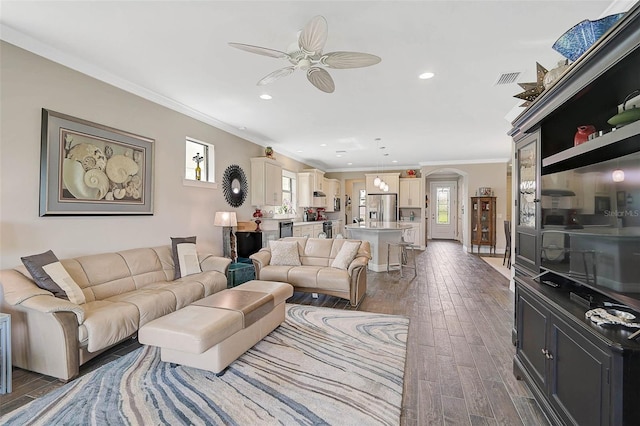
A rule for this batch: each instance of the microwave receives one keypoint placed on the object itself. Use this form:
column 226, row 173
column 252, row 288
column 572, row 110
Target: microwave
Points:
column 336, row 204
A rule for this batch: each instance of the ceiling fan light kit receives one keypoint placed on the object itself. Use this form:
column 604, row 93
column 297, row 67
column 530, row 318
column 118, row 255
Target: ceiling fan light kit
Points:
column 307, row 56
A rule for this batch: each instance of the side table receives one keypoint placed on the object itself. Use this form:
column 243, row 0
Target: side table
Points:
column 240, row 273
column 5, row 353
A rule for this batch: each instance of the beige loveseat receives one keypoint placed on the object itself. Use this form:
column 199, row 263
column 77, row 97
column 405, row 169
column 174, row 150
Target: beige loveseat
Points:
column 315, row 274
column 123, row 291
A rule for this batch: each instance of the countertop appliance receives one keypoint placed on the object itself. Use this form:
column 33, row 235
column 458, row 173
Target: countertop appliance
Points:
column 327, row 228
column 321, row 214
column 382, row 207
column 286, row 229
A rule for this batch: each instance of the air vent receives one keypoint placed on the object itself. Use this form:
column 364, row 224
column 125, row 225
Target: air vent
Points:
column 507, row 78
column 342, row 151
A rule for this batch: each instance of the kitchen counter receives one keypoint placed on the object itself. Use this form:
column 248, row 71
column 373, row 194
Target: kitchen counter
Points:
column 379, row 235
column 379, row 226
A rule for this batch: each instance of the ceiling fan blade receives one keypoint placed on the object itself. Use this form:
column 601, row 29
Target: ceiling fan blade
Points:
column 282, row 72
column 320, row 78
column 259, row 50
column 314, row 35
column 342, row 60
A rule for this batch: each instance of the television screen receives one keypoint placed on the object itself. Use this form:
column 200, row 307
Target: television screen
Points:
column 591, row 224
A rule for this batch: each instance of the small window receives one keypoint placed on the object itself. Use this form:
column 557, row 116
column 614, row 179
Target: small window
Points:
column 288, row 192
column 199, row 153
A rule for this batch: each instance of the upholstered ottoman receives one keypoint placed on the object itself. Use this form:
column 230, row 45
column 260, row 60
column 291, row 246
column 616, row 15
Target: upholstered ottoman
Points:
column 214, row 331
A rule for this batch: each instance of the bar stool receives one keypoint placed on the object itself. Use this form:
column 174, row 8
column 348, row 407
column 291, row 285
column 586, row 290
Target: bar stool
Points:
column 406, row 244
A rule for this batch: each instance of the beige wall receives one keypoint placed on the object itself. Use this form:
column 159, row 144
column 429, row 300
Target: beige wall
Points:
column 28, row 84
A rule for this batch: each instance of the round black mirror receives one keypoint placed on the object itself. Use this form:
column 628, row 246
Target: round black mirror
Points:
column 234, row 185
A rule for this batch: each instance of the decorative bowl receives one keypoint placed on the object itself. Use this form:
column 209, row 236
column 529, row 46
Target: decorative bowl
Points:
column 573, row 43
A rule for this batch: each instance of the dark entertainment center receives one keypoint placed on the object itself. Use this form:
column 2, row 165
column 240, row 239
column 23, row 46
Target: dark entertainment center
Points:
column 577, row 238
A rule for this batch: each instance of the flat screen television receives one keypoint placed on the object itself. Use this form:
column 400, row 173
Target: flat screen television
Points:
column 590, row 226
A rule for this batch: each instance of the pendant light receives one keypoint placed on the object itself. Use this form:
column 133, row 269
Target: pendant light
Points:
column 377, row 181
column 383, row 185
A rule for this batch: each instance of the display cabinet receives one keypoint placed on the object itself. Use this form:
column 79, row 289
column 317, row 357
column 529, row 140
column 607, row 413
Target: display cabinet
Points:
column 527, row 202
column 483, row 223
column 581, row 373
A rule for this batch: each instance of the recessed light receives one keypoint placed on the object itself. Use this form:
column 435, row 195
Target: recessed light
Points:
column 349, row 164
column 323, row 144
column 338, row 155
column 394, row 161
column 299, row 150
column 426, row 75
column 242, row 128
column 265, row 97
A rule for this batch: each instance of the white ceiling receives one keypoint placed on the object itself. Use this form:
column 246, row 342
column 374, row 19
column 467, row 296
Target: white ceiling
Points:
column 176, row 53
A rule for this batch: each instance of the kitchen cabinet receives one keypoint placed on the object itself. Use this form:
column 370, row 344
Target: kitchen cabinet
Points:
column 332, row 191
column 311, row 181
column 483, row 223
column 392, row 179
column 578, row 374
column 308, row 229
column 409, row 195
column 266, row 182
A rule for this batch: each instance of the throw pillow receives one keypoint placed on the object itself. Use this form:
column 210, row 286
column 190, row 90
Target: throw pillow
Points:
column 346, row 255
column 185, row 256
column 60, row 275
column 284, row 253
column 34, row 265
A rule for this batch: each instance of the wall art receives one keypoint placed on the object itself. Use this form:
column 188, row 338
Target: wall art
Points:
column 91, row 169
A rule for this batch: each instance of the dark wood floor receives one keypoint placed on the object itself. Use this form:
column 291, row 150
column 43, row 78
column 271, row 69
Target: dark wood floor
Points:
column 459, row 353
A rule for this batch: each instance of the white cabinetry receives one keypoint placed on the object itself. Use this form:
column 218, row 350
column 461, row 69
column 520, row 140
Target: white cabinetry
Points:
column 392, row 179
column 311, row 230
column 409, row 195
column 310, row 181
column 266, row 182
column 332, row 191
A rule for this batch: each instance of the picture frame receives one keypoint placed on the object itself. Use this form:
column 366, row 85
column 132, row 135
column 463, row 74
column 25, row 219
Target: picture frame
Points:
column 91, row 169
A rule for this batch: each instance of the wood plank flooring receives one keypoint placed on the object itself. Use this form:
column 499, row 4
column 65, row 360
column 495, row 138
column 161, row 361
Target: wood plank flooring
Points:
column 459, row 351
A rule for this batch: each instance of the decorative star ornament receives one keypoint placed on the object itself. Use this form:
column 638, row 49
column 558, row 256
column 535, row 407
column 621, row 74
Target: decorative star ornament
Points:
column 532, row 90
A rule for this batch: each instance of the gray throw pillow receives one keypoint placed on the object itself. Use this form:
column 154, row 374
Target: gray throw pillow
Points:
column 34, row 265
column 175, row 242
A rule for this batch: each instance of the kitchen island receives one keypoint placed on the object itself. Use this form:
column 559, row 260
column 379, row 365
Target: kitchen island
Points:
column 379, row 235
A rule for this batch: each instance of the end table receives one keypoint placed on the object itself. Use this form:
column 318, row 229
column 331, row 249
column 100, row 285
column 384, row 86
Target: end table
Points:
column 240, row 273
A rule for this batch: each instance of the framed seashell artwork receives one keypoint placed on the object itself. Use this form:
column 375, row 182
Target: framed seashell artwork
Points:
column 90, row 169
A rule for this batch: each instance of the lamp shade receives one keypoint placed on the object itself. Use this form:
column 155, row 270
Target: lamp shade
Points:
column 225, row 219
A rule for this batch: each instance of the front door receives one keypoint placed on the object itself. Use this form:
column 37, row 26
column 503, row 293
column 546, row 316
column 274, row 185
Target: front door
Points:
column 443, row 210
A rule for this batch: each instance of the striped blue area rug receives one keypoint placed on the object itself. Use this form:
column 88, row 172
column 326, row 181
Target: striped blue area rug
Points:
column 322, row 366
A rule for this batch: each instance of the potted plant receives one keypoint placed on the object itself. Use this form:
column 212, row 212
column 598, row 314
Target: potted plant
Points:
column 268, row 151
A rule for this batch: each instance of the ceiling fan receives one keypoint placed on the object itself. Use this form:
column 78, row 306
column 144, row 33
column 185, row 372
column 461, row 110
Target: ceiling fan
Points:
column 307, row 55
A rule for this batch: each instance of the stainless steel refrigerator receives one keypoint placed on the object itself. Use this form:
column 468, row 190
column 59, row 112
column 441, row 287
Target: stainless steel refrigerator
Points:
column 382, row 207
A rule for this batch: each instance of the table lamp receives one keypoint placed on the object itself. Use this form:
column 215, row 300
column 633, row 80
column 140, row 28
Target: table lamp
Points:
column 227, row 220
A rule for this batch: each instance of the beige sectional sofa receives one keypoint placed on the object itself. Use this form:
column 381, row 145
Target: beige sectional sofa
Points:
column 314, row 274
column 123, row 291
